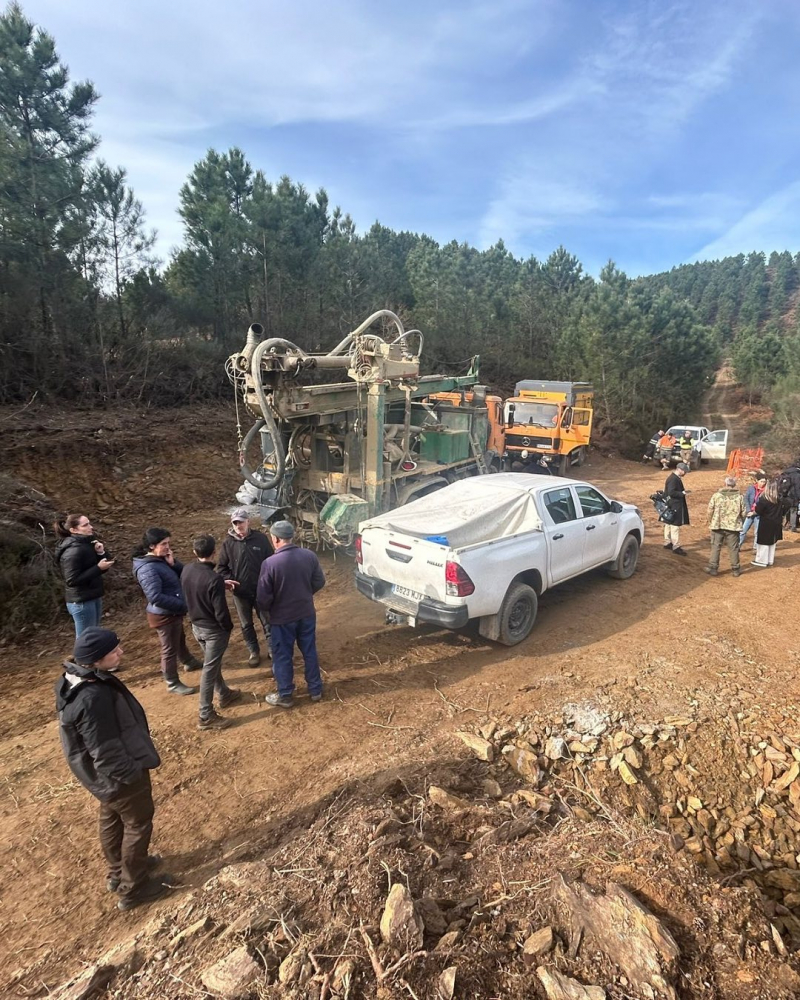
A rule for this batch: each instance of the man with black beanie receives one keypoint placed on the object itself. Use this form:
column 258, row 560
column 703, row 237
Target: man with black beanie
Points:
column 106, row 740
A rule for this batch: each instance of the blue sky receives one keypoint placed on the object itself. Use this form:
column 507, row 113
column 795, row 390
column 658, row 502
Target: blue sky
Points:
column 652, row 133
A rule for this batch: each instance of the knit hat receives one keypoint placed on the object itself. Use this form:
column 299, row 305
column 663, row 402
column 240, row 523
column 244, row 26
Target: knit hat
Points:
column 282, row 529
column 93, row 644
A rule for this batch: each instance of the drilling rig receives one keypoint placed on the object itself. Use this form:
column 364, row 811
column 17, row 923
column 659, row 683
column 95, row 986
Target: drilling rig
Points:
column 329, row 454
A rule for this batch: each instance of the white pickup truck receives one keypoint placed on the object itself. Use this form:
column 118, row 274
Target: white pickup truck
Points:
column 487, row 548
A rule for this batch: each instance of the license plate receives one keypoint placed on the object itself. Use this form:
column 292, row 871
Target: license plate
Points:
column 409, row 595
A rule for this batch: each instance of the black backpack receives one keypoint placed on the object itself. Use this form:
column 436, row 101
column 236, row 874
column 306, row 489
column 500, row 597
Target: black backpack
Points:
column 663, row 507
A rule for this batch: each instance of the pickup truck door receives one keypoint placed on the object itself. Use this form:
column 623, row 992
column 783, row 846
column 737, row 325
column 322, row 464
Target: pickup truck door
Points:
column 565, row 533
column 714, row 446
column 601, row 526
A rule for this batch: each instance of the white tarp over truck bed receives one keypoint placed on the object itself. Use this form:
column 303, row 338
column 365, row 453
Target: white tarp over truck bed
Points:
column 469, row 511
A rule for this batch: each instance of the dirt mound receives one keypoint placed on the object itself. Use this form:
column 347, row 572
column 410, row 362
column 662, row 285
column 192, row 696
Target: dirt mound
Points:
column 29, row 590
column 529, row 862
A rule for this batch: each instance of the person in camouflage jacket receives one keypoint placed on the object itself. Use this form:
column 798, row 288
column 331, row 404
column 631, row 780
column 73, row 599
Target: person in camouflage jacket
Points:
column 726, row 516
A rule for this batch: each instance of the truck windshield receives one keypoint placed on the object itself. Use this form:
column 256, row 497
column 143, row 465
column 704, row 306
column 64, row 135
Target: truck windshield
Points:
column 536, row 414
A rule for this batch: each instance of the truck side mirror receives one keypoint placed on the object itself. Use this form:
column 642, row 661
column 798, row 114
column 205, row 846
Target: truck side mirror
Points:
column 511, row 410
column 616, row 507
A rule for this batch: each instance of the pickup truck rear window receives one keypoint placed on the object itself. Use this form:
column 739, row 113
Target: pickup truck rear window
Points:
column 560, row 505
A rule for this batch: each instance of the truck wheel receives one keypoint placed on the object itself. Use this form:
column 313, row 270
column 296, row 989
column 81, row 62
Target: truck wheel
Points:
column 565, row 465
column 515, row 619
column 581, row 456
column 625, row 564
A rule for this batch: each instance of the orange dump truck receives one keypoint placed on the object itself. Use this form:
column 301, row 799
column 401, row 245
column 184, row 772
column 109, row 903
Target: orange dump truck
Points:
column 550, row 421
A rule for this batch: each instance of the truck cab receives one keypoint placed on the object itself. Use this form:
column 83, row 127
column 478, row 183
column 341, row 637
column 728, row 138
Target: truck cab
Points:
column 550, row 421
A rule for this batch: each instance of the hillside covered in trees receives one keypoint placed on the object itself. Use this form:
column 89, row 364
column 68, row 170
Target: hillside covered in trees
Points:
column 86, row 312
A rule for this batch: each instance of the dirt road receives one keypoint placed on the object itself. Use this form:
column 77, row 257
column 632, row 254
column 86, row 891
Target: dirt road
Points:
column 668, row 638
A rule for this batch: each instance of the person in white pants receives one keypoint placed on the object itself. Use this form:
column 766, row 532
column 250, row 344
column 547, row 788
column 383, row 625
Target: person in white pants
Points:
column 769, row 511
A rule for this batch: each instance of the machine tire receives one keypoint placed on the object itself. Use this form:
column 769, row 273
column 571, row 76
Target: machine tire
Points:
column 516, row 617
column 624, row 566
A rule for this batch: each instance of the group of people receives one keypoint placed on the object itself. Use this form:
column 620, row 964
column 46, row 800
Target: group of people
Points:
column 765, row 505
column 103, row 728
column 661, row 448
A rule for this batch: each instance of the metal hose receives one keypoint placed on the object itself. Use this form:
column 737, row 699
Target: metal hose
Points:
column 266, row 420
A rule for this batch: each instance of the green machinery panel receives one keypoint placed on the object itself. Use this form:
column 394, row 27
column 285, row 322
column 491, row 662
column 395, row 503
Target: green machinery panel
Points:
column 445, row 446
column 344, row 512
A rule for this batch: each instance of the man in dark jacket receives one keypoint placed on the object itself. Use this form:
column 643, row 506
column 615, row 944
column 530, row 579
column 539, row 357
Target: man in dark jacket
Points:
column 286, row 587
column 676, row 495
column 204, row 591
column 789, row 492
column 106, row 740
column 652, row 444
column 240, row 557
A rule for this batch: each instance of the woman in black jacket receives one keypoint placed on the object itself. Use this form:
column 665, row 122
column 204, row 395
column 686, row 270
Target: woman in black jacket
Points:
column 769, row 510
column 82, row 560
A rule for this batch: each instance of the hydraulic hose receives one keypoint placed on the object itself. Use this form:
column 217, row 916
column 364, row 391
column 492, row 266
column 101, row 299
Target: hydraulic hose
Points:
column 344, row 344
column 266, row 420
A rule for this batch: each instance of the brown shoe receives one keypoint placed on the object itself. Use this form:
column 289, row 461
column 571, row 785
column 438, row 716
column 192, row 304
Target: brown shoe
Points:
column 214, row 721
column 231, row 696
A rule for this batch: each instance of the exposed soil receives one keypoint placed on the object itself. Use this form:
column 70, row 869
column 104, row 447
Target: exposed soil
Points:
column 309, row 786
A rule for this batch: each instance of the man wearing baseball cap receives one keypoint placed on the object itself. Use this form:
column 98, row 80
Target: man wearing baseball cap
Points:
column 239, row 563
column 675, row 492
column 286, row 587
column 106, row 740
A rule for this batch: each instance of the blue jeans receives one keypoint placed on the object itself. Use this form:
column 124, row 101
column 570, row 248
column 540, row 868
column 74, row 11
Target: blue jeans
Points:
column 283, row 637
column 85, row 613
column 748, row 521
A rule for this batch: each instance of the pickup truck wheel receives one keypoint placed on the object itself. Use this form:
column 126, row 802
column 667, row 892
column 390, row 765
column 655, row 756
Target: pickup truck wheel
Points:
column 625, row 564
column 515, row 619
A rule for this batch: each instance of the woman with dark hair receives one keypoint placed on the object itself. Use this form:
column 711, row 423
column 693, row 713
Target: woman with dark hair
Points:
column 769, row 511
column 82, row 560
column 158, row 573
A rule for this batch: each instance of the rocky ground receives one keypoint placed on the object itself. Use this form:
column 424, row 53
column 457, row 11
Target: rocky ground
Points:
column 610, row 809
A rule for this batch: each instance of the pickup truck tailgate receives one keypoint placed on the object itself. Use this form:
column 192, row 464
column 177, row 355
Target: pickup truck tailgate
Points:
column 414, row 567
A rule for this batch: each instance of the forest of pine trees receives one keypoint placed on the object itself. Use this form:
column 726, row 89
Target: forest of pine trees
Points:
column 87, row 313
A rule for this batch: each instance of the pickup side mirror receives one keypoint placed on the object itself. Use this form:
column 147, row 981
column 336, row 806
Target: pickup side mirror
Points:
column 616, row 507
column 511, row 410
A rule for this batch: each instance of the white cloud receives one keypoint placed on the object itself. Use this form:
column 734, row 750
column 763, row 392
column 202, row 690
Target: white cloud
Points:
column 530, row 203
column 772, row 225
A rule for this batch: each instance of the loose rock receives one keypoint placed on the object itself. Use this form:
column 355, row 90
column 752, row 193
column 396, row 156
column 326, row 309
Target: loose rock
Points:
column 558, row 987
column 233, row 975
column 538, row 944
column 482, row 748
column 401, row 925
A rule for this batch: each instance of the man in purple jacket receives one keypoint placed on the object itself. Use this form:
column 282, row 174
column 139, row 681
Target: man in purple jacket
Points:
column 286, row 586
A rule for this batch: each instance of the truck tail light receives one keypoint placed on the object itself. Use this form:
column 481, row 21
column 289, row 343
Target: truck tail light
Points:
column 359, row 554
column 458, row 583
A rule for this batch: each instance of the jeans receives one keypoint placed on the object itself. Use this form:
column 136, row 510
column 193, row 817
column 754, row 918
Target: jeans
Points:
column 173, row 648
column 720, row 538
column 126, row 825
column 748, row 521
column 214, row 642
column 85, row 613
column 245, row 606
column 304, row 633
